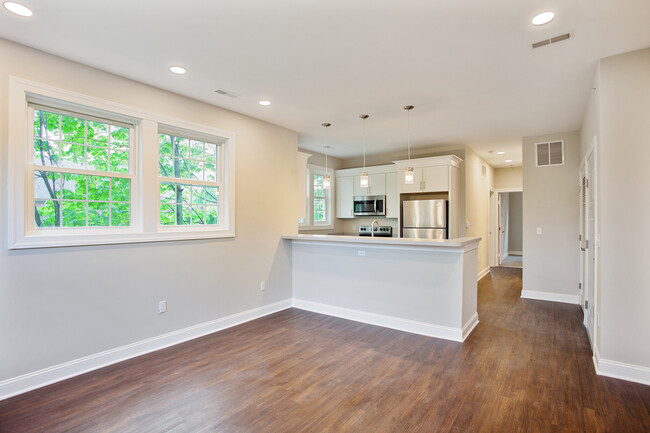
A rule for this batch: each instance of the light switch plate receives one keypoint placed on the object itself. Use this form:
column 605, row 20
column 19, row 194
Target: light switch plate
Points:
column 539, row 230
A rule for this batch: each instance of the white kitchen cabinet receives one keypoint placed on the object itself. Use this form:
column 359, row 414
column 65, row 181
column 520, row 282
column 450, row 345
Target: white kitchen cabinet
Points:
column 426, row 179
column 344, row 197
column 376, row 184
column 392, row 196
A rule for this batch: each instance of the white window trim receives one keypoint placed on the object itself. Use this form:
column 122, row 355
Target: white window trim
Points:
column 145, row 191
column 309, row 223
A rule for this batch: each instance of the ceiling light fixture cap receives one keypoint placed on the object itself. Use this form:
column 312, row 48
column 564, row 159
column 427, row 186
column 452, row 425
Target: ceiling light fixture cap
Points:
column 178, row 70
column 18, row 9
column 408, row 107
column 265, row 103
column 364, row 116
column 326, row 125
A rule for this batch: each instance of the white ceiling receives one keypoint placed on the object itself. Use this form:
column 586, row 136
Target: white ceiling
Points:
column 466, row 65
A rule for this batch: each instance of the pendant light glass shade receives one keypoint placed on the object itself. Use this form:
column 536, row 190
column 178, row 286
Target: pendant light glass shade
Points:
column 363, row 181
column 327, row 184
column 409, row 176
column 327, row 181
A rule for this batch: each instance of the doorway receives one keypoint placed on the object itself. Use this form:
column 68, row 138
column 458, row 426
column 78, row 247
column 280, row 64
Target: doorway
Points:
column 506, row 228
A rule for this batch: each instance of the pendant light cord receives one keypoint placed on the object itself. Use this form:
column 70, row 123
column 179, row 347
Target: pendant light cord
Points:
column 364, row 144
column 408, row 123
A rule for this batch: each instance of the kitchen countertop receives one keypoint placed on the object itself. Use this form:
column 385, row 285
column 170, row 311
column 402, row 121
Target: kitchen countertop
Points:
column 463, row 243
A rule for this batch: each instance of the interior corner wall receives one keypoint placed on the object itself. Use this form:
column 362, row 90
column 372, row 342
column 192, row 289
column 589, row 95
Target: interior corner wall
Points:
column 62, row 304
column 624, row 208
column 477, row 204
column 551, row 202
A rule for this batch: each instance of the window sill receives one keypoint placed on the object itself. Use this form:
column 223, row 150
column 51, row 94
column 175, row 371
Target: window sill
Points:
column 66, row 240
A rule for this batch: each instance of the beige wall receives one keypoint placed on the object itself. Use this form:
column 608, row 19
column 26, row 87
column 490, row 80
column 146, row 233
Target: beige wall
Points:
column 551, row 201
column 60, row 304
column 477, row 204
column 624, row 207
column 510, row 177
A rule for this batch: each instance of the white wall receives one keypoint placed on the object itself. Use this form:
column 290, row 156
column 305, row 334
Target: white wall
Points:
column 60, row 304
column 515, row 222
column 551, row 202
column 624, row 207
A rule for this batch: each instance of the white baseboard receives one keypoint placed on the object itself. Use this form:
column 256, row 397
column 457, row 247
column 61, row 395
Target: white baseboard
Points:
column 470, row 325
column 621, row 370
column 548, row 296
column 515, row 253
column 483, row 273
column 56, row 373
column 415, row 327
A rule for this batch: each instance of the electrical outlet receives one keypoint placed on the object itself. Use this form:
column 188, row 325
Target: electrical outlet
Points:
column 162, row 306
column 539, row 230
column 361, row 253
column 262, row 285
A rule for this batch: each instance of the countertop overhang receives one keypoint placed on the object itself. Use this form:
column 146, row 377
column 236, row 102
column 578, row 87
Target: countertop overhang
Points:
column 457, row 244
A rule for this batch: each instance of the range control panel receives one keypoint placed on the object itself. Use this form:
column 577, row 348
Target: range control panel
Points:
column 382, row 231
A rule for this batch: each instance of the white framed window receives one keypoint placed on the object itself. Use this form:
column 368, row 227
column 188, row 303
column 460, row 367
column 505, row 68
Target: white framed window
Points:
column 319, row 199
column 84, row 171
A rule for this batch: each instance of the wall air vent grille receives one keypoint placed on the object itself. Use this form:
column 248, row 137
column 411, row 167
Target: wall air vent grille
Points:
column 225, row 92
column 550, row 153
column 553, row 40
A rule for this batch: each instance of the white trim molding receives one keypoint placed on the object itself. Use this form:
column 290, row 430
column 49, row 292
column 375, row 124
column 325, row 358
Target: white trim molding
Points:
column 549, row 296
column 406, row 325
column 57, row 373
column 621, row 370
column 470, row 325
column 483, row 273
column 515, row 253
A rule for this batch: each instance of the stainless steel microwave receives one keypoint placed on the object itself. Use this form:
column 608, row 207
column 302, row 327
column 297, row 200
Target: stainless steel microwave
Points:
column 369, row 205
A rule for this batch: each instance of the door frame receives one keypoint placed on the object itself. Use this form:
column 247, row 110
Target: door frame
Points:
column 494, row 222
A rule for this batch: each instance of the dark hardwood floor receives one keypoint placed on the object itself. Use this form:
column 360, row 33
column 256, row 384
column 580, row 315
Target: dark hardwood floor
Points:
column 526, row 368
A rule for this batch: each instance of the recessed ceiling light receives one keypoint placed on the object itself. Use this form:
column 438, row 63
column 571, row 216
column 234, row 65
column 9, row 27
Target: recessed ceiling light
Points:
column 501, row 153
column 179, row 70
column 543, row 18
column 265, row 103
column 508, row 160
column 18, row 9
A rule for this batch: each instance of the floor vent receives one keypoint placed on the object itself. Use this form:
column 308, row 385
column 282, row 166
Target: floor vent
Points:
column 225, row 92
column 550, row 41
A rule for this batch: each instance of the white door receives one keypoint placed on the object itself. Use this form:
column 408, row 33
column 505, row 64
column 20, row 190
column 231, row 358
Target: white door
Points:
column 582, row 238
column 590, row 247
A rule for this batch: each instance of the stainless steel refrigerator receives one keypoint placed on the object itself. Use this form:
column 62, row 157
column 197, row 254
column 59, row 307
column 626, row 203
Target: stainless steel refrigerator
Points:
column 424, row 219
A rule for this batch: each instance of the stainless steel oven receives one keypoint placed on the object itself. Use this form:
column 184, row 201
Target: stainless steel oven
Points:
column 369, row 205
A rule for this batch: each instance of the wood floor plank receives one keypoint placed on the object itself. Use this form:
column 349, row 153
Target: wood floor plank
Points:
column 525, row 368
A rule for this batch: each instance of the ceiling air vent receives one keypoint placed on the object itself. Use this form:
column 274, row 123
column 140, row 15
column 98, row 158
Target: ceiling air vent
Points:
column 550, row 153
column 559, row 38
column 225, row 92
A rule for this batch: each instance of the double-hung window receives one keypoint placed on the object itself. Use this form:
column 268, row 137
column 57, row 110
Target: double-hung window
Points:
column 319, row 200
column 85, row 171
column 80, row 167
column 189, row 170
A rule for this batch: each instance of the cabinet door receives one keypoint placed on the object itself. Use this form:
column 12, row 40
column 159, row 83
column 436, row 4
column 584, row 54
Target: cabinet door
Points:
column 344, row 197
column 377, row 184
column 435, row 178
column 356, row 188
column 417, row 181
column 392, row 196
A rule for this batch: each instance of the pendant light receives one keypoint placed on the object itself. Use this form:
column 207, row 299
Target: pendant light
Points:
column 363, row 182
column 409, row 175
column 326, row 177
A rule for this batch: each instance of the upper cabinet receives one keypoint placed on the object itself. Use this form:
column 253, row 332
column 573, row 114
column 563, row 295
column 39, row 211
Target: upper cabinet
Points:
column 382, row 180
column 376, row 184
column 430, row 174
